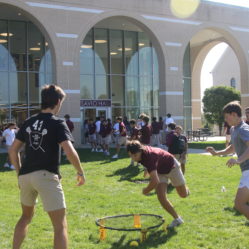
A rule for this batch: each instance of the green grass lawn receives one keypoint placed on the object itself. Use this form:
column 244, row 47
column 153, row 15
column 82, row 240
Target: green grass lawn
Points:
column 112, row 188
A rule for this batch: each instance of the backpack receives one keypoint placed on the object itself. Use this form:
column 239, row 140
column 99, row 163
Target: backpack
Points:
column 179, row 145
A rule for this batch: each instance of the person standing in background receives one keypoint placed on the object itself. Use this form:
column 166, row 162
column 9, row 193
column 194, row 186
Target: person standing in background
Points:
column 69, row 123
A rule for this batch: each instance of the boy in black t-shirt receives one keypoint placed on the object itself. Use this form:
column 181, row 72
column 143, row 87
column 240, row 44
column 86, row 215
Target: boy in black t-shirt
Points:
column 42, row 135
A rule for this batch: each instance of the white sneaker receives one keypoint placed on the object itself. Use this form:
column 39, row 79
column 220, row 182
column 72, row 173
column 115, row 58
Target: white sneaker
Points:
column 115, row 156
column 100, row 150
column 108, row 153
column 6, row 165
column 12, row 167
column 176, row 222
column 93, row 150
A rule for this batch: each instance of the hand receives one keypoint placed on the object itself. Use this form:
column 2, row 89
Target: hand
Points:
column 231, row 162
column 145, row 192
column 81, row 180
column 211, row 150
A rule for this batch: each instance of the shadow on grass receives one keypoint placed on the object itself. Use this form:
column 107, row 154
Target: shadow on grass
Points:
column 87, row 156
column 232, row 210
column 154, row 239
column 127, row 173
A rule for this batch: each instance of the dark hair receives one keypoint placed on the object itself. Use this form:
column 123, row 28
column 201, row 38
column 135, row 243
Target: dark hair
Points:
column 50, row 95
column 233, row 106
column 160, row 118
column 168, row 115
column 134, row 146
column 132, row 121
column 119, row 118
column 10, row 124
column 67, row 116
column 154, row 119
column 172, row 126
column 146, row 119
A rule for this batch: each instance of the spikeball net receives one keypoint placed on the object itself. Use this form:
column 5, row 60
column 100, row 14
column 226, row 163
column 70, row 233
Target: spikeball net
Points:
column 129, row 223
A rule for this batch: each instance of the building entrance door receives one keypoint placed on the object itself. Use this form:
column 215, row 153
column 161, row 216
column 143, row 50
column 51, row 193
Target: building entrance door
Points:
column 91, row 113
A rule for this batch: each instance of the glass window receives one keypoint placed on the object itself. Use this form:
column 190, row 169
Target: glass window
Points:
column 145, row 54
column 4, row 89
column 131, row 53
column 35, row 49
column 18, row 46
column 18, row 89
column 132, row 91
column 118, row 90
column 3, row 46
column 155, row 79
column 34, row 88
column 102, row 87
column 101, row 51
column 145, row 91
column 86, row 54
column 116, row 52
column 86, row 87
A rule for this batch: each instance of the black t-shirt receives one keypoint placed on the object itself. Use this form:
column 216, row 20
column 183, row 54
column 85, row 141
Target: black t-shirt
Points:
column 42, row 134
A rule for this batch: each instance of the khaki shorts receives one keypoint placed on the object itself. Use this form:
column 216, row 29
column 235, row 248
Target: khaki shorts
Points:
column 120, row 140
column 181, row 159
column 107, row 140
column 175, row 175
column 44, row 183
column 99, row 138
column 92, row 138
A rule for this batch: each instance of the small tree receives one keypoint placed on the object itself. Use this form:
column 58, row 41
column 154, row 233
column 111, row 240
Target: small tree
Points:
column 215, row 98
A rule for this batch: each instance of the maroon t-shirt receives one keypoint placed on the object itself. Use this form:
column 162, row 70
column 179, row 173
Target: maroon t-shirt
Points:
column 122, row 129
column 70, row 125
column 160, row 125
column 91, row 128
column 155, row 127
column 134, row 133
column 105, row 130
column 157, row 159
column 145, row 134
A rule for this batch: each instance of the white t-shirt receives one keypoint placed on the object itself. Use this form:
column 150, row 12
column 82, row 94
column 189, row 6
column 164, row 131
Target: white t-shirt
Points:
column 9, row 135
column 116, row 128
column 98, row 126
column 168, row 121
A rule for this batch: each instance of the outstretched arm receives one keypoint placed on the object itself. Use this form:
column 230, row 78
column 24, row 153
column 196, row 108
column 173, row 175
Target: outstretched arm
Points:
column 154, row 180
column 14, row 154
column 73, row 158
column 240, row 159
column 228, row 150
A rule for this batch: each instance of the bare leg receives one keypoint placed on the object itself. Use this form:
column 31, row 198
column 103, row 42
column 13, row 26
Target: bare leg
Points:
column 182, row 191
column 59, row 222
column 241, row 200
column 21, row 228
column 161, row 195
column 183, row 168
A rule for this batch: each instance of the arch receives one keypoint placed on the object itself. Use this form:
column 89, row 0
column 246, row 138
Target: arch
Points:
column 27, row 12
column 138, row 21
column 197, row 63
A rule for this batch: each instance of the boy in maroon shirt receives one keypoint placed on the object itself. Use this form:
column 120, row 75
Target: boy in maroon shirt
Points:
column 161, row 167
column 145, row 131
column 105, row 132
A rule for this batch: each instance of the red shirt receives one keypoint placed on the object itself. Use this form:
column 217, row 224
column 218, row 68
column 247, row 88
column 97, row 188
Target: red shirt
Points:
column 157, row 159
column 145, row 134
column 70, row 125
column 122, row 129
column 105, row 130
column 91, row 128
column 134, row 133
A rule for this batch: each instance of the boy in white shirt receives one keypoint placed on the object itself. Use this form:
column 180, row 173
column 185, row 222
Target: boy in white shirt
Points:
column 9, row 134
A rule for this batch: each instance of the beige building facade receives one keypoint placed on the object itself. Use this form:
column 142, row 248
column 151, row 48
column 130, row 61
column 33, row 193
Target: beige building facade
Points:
column 177, row 49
